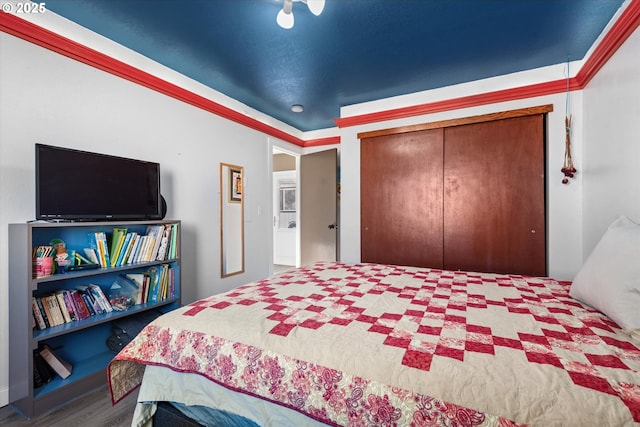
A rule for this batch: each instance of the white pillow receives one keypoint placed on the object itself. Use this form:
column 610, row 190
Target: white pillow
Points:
column 609, row 279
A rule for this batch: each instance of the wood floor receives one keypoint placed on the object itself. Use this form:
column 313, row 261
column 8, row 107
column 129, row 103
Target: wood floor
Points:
column 93, row 409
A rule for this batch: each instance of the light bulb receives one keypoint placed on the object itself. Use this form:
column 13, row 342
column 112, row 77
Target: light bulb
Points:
column 316, row 6
column 285, row 16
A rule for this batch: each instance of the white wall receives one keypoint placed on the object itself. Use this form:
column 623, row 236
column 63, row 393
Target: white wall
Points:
column 611, row 165
column 51, row 99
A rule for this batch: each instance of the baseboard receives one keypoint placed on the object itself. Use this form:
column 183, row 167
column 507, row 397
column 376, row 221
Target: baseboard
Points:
column 4, row 396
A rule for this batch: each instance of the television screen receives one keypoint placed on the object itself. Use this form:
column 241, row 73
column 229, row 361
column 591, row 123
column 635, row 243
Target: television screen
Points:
column 79, row 185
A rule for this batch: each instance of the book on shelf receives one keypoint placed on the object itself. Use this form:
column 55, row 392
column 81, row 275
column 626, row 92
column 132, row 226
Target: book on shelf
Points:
column 63, row 306
column 69, row 304
column 164, row 243
column 117, row 241
column 135, row 244
column 155, row 233
column 42, row 373
column 37, row 314
column 126, row 249
column 43, row 312
column 59, row 365
column 88, row 302
column 98, row 242
column 56, row 310
column 154, row 284
column 173, row 252
column 91, row 254
column 79, row 305
column 49, row 313
column 100, row 302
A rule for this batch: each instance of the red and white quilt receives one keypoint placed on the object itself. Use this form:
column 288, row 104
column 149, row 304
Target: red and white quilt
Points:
column 370, row 344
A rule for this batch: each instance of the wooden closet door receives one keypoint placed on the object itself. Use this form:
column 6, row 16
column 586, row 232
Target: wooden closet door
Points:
column 401, row 198
column 494, row 204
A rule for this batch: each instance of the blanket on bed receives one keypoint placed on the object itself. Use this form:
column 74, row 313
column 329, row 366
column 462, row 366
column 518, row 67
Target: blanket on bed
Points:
column 370, row 344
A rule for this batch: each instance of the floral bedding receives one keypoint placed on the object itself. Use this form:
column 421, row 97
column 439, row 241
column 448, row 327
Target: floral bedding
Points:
column 370, row 344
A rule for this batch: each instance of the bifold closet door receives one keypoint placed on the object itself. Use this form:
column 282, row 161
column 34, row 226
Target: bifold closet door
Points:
column 401, row 198
column 494, row 207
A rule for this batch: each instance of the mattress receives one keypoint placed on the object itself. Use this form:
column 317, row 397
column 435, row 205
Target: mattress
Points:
column 369, row 344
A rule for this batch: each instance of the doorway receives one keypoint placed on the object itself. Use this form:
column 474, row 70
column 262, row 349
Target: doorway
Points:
column 285, row 211
column 304, row 208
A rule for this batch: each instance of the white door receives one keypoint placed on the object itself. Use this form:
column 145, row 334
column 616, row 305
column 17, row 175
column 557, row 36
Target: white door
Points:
column 285, row 209
column 318, row 212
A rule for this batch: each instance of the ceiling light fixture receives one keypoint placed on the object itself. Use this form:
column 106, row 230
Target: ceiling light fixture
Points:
column 297, row 108
column 285, row 16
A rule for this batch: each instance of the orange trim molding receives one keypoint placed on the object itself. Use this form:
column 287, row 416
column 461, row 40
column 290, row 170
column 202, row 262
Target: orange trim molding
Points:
column 620, row 31
column 322, row 141
column 28, row 31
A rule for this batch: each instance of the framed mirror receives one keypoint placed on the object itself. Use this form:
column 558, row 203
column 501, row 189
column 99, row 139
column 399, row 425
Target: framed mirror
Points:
column 231, row 219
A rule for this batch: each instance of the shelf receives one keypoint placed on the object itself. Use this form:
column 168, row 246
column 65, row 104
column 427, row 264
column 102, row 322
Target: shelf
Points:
column 81, row 370
column 78, row 325
column 97, row 272
column 82, row 343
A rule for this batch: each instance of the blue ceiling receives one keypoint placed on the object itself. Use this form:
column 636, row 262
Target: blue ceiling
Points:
column 355, row 51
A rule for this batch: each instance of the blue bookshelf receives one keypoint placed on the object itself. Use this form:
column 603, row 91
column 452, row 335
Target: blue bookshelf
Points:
column 82, row 343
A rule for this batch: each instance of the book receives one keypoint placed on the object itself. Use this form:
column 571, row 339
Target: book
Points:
column 154, row 284
column 92, row 303
column 69, row 303
column 172, row 283
column 100, row 297
column 117, row 241
column 42, row 373
column 37, row 314
column 164, row 243
column 63, row 306
column 134, row 248
column 173, row 251
column 142, row 249
column 155, row 233
column 59, row 365
column 43, row 312
column 48, row 309
column 91, row 254
column 96, row 244
column 88, row 301
column 124, row 251
column 56, row 310
column 79, row 304
column 104, row 247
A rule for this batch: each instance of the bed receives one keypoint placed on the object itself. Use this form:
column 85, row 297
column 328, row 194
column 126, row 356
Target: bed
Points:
column 369, row 344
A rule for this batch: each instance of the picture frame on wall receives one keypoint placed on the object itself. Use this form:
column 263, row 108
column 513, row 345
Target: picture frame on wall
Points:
column 235, row 183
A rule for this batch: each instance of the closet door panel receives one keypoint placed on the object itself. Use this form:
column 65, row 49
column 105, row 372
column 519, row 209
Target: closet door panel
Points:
column 494, row 208
column 401, row 198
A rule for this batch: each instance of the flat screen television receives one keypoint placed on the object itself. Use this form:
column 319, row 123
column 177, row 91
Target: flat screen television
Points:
column 78, row 185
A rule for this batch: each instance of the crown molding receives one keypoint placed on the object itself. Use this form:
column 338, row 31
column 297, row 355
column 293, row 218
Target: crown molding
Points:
column 624, row 26
column 47, row 39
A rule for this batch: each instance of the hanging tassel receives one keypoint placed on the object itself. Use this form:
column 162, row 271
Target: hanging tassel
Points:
column 567, row 169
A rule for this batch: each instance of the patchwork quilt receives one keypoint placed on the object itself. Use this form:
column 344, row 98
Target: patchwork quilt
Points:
column 370, row 344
